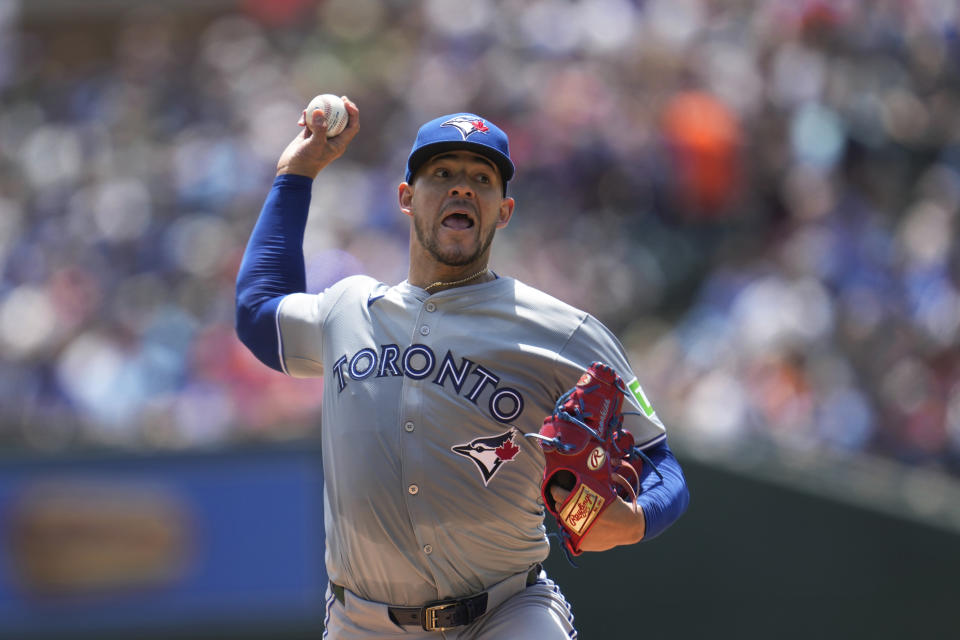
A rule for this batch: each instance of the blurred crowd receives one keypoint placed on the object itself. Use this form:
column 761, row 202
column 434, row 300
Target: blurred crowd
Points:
column 760, row 197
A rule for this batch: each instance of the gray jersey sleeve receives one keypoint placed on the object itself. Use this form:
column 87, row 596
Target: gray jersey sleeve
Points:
column 592, row 341
column 301, row 321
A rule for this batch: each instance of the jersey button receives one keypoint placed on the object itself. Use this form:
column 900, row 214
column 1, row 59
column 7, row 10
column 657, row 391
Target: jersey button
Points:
column 431, row 307
column 408, row 426
column 424, row 330
column 413, row 489
column 427, row 549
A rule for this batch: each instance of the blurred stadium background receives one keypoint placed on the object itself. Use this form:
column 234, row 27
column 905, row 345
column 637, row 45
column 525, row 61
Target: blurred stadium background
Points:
column 760, row 197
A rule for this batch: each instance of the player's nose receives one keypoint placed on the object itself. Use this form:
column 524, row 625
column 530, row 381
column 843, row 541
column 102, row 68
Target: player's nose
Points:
column 461, row 192
column 461, row 188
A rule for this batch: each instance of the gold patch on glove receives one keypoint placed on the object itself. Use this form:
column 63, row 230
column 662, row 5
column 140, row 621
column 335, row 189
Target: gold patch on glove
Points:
column 581, row 509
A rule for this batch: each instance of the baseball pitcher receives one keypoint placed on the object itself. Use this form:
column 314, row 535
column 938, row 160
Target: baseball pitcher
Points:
column 460, row 405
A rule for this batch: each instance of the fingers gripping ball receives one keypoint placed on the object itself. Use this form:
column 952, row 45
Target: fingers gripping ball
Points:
column 333, row 110
column 588, row 453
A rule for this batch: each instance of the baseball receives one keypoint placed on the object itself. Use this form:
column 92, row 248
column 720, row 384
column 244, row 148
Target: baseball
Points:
column 334, row 110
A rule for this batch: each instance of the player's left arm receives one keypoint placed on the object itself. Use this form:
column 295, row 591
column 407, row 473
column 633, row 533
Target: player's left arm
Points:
column 664, row 496
column 660, row 504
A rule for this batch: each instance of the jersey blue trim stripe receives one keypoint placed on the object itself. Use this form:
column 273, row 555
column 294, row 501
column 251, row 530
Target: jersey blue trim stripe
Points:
column 276, row 321
column 653, row 442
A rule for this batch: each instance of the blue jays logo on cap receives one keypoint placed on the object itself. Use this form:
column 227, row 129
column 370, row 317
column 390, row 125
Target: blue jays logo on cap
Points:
column 461, row 131
column 467, row 125
column 489, row 454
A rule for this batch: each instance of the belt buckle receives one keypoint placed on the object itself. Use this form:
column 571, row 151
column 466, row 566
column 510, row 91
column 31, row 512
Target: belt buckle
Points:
column 432, row 613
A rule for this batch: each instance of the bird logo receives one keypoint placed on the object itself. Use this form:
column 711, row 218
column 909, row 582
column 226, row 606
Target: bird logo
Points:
column 467, row 125
column 489, row 454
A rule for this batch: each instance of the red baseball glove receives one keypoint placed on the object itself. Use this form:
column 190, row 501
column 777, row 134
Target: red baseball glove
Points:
column 588, row 453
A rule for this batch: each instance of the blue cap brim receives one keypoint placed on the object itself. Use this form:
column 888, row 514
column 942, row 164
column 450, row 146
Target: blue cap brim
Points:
column 424, row 153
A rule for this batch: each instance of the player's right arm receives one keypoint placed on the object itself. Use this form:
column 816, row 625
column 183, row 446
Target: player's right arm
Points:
column 273, row 265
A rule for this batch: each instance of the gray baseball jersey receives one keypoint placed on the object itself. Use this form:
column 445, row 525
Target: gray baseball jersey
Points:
column 431, row 490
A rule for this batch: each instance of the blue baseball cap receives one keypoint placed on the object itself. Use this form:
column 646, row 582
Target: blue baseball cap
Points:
column 461, row 131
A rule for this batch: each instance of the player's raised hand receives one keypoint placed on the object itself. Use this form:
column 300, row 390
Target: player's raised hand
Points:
column 312, row 150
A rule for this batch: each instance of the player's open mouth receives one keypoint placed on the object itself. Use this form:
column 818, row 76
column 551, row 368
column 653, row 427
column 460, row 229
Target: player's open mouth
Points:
column 457, row 221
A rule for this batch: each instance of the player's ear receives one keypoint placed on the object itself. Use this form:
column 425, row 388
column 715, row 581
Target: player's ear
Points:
column 405, row 197
column 506, row 212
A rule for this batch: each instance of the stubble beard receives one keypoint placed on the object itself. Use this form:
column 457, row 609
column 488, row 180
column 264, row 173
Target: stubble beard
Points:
column 455, row 257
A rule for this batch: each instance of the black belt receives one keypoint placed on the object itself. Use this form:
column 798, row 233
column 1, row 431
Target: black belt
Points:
column 442, row 615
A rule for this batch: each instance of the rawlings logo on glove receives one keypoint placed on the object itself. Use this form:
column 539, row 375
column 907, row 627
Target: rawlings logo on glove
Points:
column 588, row 453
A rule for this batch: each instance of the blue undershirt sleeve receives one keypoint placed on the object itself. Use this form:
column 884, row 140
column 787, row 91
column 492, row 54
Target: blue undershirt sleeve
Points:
column 272, row 266
column 663, row 500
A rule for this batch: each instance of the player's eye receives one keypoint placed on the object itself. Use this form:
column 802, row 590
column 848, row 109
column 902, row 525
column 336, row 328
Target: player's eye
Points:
column 483, row 178
column 441, row 172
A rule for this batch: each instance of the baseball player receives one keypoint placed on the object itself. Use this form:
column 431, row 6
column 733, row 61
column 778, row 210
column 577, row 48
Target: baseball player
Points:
column 432, row 493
